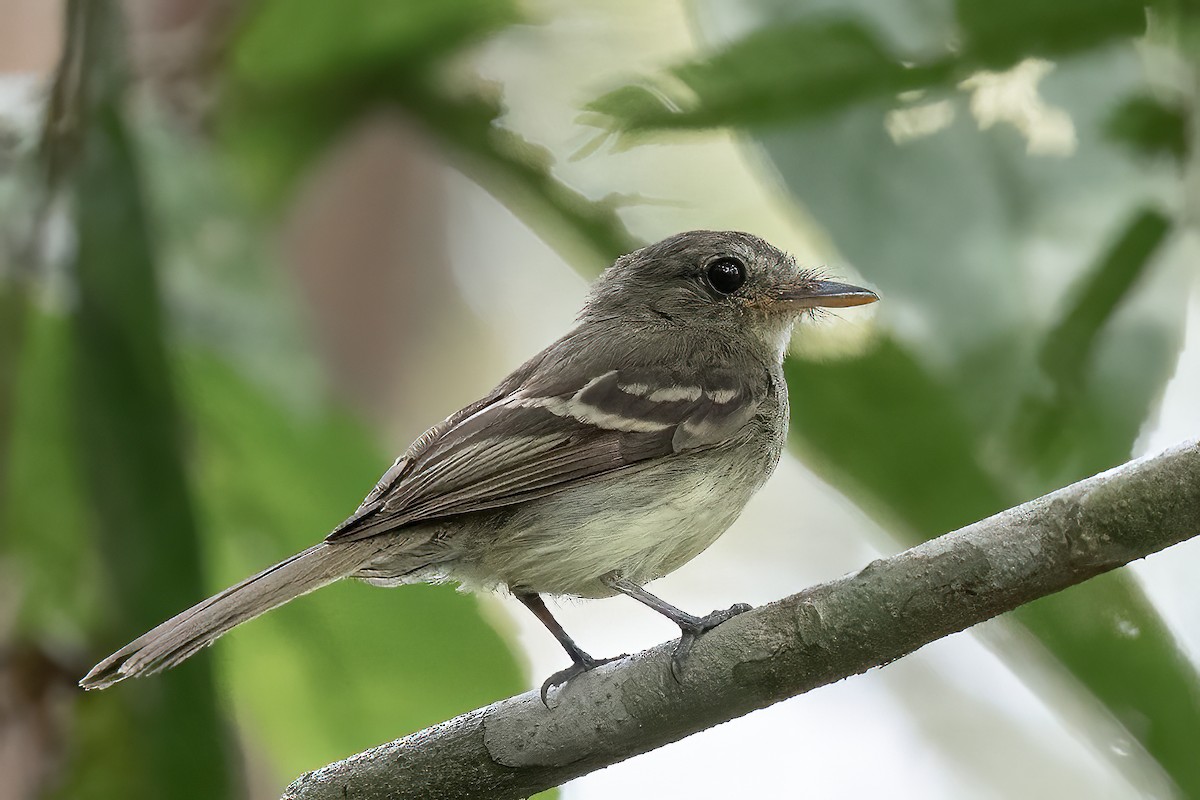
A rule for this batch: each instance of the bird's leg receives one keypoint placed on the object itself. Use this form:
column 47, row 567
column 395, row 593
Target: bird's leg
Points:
column 581, row 661
column 691, row 626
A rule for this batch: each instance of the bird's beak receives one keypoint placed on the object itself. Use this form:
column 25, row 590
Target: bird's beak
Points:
column 826, row 294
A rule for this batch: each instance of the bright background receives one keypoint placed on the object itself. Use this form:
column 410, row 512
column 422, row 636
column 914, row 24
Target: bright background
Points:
column 362, row 215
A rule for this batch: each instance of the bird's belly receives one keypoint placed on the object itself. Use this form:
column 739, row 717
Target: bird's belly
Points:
column 641, row 525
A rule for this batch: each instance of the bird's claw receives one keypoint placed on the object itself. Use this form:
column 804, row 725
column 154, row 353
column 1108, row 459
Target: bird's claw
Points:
column 693, row 629
column 585, row 664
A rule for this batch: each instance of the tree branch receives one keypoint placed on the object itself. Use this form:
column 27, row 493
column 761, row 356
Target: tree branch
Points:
column 893, row 606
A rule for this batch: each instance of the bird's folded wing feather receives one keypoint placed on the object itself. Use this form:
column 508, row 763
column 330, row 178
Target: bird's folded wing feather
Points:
column 534, row 441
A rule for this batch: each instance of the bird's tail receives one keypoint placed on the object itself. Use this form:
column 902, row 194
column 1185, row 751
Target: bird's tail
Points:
column 187, row 633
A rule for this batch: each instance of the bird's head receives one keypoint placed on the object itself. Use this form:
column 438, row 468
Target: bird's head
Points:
column 716, row 280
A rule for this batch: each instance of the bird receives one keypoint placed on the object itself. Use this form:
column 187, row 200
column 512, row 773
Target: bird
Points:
column 608, row 460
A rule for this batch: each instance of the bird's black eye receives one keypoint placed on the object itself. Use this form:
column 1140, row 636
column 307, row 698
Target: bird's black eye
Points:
column 726, row 275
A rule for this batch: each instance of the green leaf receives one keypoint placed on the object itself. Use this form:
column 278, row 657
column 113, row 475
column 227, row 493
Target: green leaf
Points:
column 803, row 64
column 14, row 304
column 1068, row 345
column 773, row 74
column 301, row 42
column 1055, row 430
column 303, row 71
column 130, row 448
column 998, row 35
column 1111, row 639
column 284, row 106
column 1150, row 127
column 838, row 428
column 45, row 513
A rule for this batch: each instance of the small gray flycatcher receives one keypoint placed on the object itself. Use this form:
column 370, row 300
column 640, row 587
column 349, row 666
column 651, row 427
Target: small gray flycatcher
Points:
column 609, row 459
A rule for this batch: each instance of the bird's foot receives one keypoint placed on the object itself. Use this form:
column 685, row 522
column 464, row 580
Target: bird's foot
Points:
column 693, row 628
column 582, row 665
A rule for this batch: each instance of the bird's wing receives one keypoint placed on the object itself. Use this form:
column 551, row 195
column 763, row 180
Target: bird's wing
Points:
column 533, row 441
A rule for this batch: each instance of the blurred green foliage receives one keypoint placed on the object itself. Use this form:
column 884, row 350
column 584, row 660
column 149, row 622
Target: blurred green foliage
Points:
column 145, row 472
column 993, row 384
column 284, row 104
column 127, row 429
column 812, row 60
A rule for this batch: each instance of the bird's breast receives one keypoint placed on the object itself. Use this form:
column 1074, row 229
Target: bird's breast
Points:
column 641, row 523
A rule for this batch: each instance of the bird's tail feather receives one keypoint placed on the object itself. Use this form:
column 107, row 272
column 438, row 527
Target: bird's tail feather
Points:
column 187, row 633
